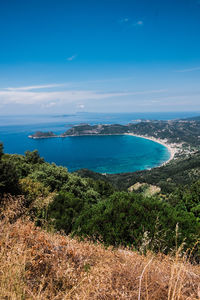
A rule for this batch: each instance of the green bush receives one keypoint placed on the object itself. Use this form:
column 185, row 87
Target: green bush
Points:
column 126, row 219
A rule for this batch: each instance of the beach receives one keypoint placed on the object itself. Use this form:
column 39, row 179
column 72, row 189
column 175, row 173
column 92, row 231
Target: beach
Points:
column 172, row 148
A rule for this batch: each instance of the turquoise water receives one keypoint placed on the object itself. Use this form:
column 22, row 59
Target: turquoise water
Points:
column 104, row 154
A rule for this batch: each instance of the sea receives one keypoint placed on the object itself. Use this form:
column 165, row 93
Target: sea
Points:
column 103, row 154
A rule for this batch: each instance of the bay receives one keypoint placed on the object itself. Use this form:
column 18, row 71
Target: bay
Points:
column 104, row 154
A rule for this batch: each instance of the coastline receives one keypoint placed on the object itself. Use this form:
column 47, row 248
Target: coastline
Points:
column 170, row 149
column 71, row 135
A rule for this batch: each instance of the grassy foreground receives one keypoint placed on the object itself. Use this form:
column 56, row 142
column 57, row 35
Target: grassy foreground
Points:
column 36, row 264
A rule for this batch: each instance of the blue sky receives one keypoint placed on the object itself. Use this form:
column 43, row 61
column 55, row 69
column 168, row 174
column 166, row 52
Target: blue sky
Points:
column 106, row 56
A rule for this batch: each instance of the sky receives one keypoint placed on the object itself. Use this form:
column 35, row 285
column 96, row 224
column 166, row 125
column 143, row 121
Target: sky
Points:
column 64, row 56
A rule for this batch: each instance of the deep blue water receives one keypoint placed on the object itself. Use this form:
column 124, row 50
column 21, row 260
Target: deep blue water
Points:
column 105, row 154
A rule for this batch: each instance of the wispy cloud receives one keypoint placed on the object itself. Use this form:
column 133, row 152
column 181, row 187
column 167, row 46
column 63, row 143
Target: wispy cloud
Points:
column 72, row 57
column 55, row 86
column 188, row 70
column 81, row 106
column 124, row 20
column 138, row 23
column 106, row 80
column 26, row 96
column 130, row 23
column 50, row 104
column 69, row 96
column 69, row 84
column 66, row 84
column 178, row 100
column 150, row 92
column 34, row 87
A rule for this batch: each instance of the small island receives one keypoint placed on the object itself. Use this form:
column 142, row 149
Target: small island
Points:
column 42, row 135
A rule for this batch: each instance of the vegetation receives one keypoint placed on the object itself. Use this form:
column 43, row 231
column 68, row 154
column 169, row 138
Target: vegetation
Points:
column 175, row 131
column 90, row 208
column 181, row 171
column 96, row 129
column 129, row 219
column 40, row 134
column 138, row 228
column 40, row 265
column 9, row 178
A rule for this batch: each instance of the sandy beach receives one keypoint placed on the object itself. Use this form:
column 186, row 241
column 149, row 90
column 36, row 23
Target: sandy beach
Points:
column 172, row 150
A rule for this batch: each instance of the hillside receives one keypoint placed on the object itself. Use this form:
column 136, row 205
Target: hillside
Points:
column 184, row 131
column 175, row 131
column 181, row 171
column 109, row 243
column 90, row 208
column 40, row 265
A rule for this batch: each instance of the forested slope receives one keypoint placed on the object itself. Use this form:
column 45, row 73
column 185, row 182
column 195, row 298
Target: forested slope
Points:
column 94, row 209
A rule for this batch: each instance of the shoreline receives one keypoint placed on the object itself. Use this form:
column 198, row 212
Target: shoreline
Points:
column 171, row 150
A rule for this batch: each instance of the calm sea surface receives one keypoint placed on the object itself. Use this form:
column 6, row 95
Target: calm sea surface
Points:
column 105, row 154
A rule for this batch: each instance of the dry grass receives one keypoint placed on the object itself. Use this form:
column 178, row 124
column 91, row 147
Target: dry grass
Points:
column 35, row 264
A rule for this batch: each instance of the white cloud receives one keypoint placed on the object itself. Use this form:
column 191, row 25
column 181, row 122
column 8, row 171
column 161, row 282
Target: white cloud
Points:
column 26, row 96
column 124, row 20
column 178, row 100
column 81, row 106
column 149, row 92
column 34, row 87
column 128, row 21
column 72, row 57
column 66, row 84
column 51, row 104
column 139, row 23
column 107, row 80
column 188, row 70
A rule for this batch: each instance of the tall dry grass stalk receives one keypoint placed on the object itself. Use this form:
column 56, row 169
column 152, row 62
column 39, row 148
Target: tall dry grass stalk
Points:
column 38, row 265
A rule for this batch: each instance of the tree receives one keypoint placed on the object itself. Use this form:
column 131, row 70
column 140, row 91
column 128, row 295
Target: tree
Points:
column 1, row 150
column 125, row 219
column 64, row 210
column 33, row 157
column 51, row 176
column 9, row 178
